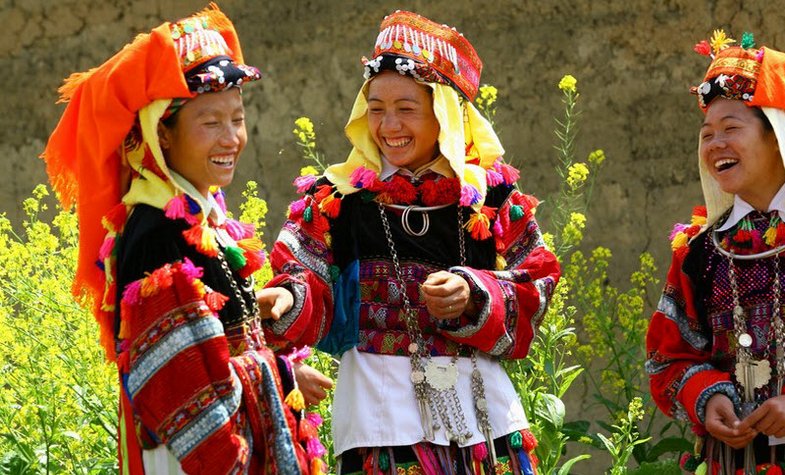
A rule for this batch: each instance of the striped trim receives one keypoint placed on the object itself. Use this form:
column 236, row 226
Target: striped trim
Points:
column 673, row 312
column 286, row 460
column 208, row 422
column 179, row 339
column 292, row 241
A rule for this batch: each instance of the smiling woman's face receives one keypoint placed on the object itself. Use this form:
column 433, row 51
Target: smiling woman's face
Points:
column 401, row 120
column 741, row 153
column 205, row 142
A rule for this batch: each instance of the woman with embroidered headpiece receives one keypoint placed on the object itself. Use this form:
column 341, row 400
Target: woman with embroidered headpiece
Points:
column 420, row 264
column 715, row 344
column 142, row 149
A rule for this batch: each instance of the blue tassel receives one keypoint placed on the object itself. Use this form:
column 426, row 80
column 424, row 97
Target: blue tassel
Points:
column 526, row 465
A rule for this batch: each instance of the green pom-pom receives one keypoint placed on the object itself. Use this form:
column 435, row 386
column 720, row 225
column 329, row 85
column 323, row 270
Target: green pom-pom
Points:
column 516, row 212
column 384, row 461
column 516, row 440
column 235, row 258
column 335, row 273
column 702, row 469
column 308, row 214
column 747, row 40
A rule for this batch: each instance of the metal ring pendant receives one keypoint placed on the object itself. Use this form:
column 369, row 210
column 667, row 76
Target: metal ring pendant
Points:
column 408, row 227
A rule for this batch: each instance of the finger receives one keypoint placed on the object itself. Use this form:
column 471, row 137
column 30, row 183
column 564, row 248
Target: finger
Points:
column 750, row 422
column 437, row 278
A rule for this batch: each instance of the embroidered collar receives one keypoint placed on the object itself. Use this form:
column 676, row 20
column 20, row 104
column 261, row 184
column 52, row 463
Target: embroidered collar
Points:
column 440, row 165
column 741, row 209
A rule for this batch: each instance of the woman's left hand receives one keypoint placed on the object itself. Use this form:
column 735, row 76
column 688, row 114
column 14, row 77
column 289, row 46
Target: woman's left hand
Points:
column 447, row 295
column 768, row 418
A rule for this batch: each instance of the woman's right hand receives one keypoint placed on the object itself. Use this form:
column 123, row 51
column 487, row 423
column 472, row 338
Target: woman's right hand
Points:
column 274, row 302
column 721, row 422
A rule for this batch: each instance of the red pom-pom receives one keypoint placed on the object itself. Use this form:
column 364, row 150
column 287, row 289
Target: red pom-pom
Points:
column 699, row 211
column 215, row 300
column 702, row 48
column 529, row 441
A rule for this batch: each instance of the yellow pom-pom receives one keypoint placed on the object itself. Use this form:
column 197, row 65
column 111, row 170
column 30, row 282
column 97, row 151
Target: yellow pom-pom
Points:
column 698, row 220
column 770, row 236
column 679, row 240
column 295, row 400
column 501, row 262
column 702, row 469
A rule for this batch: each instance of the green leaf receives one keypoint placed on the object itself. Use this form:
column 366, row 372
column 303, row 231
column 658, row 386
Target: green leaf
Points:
column 565, row 469
column 549, row 408
column 660, row 467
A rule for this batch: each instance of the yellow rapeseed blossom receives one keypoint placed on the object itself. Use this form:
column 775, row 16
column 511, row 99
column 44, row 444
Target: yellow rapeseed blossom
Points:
column 308, row 170
column 487, row 96
column 597, row 157
column 577, row 175
column 568, row 83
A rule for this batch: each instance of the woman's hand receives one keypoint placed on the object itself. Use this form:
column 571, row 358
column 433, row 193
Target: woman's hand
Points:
column 312, row 383
column 722, row 423
column 447, row 295
column 274, row 302
column 768, row 418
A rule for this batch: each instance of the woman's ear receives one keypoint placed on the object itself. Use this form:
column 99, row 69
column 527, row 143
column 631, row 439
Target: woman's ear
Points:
column 163, row 135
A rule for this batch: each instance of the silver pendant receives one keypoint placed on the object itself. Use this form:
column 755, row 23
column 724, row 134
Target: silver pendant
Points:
column 753, row 374
column 745, row 340
column 439, row 376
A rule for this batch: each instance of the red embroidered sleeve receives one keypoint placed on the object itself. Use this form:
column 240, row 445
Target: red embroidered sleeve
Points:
column 678, row 348
column 301, row 260
column 513, row 300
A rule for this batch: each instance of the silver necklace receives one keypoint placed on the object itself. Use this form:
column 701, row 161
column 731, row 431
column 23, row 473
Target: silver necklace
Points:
column 434, row 384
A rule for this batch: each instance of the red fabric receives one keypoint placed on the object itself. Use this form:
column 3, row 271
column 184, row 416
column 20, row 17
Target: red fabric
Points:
column 665, row 345
column 317, row 309
column 194, row 379
column 539, row 264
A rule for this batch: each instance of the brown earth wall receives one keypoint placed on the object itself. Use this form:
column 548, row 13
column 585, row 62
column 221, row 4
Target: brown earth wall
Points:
column 633, row 60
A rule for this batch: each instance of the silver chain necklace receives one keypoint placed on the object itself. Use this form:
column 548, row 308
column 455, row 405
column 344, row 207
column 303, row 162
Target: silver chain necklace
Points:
column 434, row 384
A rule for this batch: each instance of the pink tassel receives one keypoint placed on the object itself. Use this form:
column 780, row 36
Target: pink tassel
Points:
column 188, row 269
column 299, row 355
column 677, row 228
column 469, row 195
column 249, row 230
column 233, row 229
column 498, row 231
column 304, row 183
column 175, row 208
column 493, row 177
column 106, row 248
column 132, row 295
column 297, row 207
column 479, row 451
column 314, row 419
column 362, row 177
column 314, row 448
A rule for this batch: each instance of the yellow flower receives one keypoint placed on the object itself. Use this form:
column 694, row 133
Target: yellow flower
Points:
column 488, row 95
column 568, row 83
column 597, row 157
column 304, row 124
column 577, row 174
column 308, row 170
column 720, row 41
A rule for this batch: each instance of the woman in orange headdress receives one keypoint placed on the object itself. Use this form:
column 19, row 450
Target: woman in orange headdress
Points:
column 716, row 343
column 142, row 149
column 419, row 262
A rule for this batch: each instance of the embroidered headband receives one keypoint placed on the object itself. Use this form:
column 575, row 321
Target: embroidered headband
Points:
column 412, row 44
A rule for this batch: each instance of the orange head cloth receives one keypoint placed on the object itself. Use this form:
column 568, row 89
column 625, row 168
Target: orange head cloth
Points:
column 83, row 156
